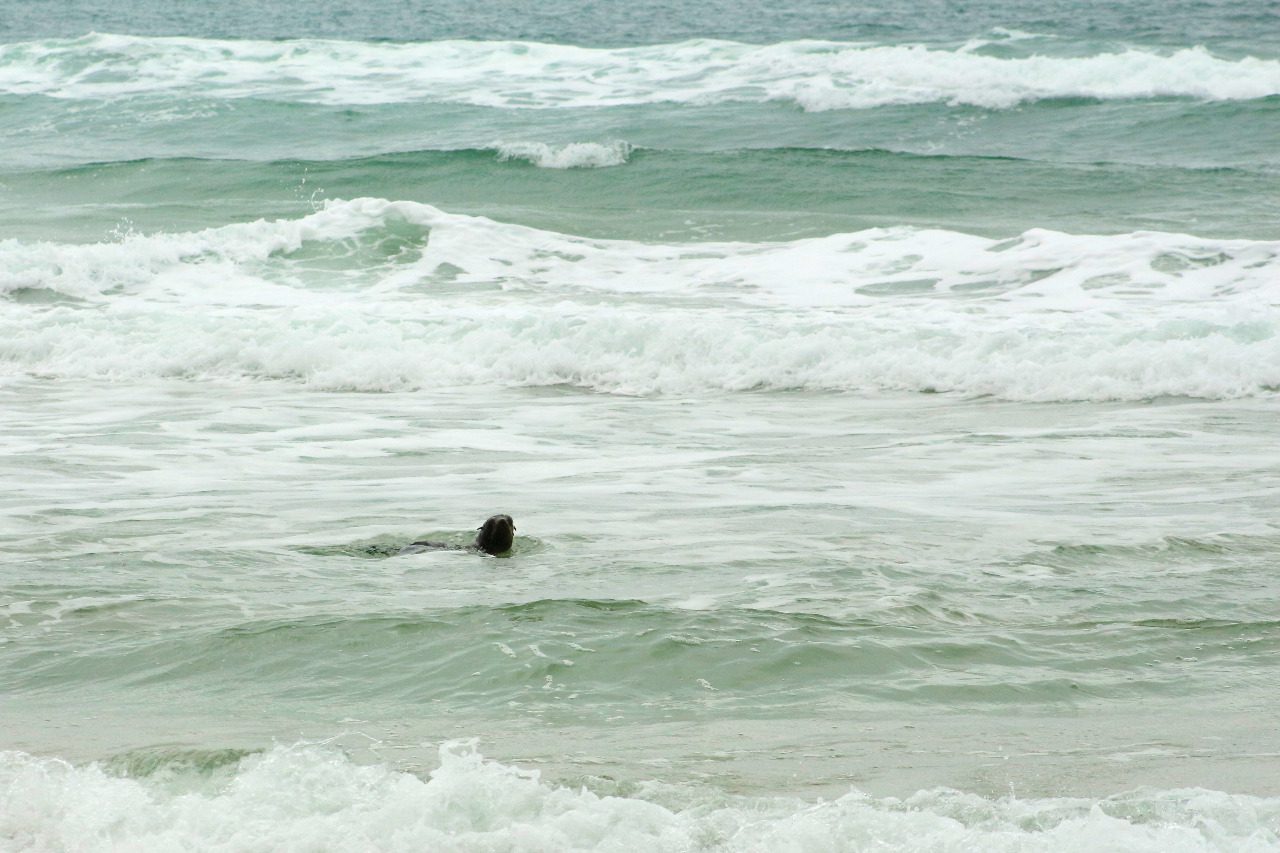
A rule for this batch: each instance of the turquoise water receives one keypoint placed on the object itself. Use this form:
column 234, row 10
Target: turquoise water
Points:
column 886, row 400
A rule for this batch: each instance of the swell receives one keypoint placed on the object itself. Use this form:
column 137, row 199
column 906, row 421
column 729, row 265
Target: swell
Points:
column 519, row 155
column 565, row 655
column 39, row 131
column 615, row 189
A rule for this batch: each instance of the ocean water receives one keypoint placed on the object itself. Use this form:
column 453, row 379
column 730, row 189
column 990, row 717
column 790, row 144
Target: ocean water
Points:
column 886, row 398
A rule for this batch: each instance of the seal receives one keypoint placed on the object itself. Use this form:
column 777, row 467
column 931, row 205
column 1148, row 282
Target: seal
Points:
column 493, row 537
column 496, row 534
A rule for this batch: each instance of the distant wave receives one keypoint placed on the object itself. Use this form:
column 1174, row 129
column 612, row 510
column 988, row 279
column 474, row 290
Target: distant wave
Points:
column 816, row 75
column 575, row 155
column 308, row 796
column 376, row 295
column 570, row 155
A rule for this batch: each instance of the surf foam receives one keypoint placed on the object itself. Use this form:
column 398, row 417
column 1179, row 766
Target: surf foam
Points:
column 308, row 797
column 376, row 295
column 575, row 155
column 816, row 75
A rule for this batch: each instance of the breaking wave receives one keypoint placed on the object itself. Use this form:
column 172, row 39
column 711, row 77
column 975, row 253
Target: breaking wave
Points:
column 816, row 75
column 575, row 155
column 370, row 294
column 309, row 797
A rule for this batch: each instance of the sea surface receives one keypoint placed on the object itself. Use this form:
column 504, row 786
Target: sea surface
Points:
column 887, row 398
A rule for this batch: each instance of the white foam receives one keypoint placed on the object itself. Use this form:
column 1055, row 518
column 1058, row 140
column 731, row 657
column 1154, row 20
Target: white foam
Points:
column 816, row 75
column 575, row 155
column 376, row 295
column 315, row 799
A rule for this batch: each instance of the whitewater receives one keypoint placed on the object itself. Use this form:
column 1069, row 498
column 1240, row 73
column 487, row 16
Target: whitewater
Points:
column 813, row 75
column 360, row 296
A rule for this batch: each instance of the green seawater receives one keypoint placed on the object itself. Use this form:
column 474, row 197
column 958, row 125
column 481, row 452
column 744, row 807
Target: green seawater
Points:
column 885, row 397
column 660, row 195
column 791, row 565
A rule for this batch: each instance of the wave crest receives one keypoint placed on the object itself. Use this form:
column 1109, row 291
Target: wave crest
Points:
column 377, row 295
column 575, row 155
column 816, row 75
column 313, row 797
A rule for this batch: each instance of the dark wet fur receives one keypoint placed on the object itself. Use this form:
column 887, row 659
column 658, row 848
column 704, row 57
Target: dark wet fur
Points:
column 495, row 537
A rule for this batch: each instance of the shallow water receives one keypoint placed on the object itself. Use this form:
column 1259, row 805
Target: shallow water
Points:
column 894, row 593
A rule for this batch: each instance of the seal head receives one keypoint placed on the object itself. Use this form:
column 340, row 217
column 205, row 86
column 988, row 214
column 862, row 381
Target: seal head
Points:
column 496, row 535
